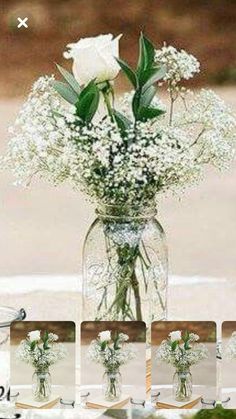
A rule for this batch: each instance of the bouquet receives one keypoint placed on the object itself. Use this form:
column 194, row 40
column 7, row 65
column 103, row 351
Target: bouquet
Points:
column 123, row 152
column 111, row 351
column 41, row 351
column 137, row 146
column 182, row 350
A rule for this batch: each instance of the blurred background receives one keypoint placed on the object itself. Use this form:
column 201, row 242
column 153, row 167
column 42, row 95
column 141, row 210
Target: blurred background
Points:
column 205, row 28
column 43, row 228
column 21, row 373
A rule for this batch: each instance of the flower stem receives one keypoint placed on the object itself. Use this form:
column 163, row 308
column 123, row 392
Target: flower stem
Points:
column 106, row 91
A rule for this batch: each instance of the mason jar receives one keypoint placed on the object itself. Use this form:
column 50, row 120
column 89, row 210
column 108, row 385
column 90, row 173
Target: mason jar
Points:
column 42, row 385
column 125, row 266
column 182, row 385
column 112, row 385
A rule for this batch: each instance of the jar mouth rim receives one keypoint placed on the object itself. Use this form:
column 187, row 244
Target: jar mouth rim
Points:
column 42, row 370
column 9, row 315
column 126, row 210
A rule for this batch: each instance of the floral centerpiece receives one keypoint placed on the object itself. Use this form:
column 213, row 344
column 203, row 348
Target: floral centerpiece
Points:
column 123, row 153
column 111, row 350
column 182, row 350
column 41, row 351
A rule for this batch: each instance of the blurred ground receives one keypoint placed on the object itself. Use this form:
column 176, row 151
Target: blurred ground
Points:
column 205, row 28
column 43, row 228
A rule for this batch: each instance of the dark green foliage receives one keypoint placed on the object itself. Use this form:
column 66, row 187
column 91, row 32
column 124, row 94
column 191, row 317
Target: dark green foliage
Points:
column 218, row 413
column 86, row 100
column 143, row 80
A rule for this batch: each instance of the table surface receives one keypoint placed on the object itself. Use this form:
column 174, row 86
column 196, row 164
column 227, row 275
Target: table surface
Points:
column 204, row 391
column 204, row 299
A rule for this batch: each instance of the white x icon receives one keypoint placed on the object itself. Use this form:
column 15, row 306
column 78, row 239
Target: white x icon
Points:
column 22, row 22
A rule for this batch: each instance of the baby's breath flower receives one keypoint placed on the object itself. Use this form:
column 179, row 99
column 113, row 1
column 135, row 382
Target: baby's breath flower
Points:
column 180, row 357
column 38, row 355
column 179, row 64
column 112, row 353
column 48, row 141
column 230, row 350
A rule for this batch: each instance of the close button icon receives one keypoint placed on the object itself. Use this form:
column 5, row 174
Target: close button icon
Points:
column 22, row 22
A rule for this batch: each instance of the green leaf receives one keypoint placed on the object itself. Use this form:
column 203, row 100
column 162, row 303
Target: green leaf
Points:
column 146, row 113
column 146, row 54
column 32, row 345
column 87, row 104
column 103, row 345
column 147, row 96
column 70, row 79
column 150, row 50
column 45, row 336
column 186, row 336
column 121, row 120
column 128, row 72
column 136, row 103
column 174, row 345
column 65, row 91
column 155, row 74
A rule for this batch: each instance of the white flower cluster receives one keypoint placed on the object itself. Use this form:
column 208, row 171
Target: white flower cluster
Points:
column 111, row 351
column 180, row 351
column 230, row 351
column 154, row 156
column 41, row 142
column 179, row 64
column 41, row 351
column 125, row 104
column 216, row 125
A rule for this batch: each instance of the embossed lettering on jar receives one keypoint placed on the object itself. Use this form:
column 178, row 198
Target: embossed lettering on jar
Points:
column 125, row 265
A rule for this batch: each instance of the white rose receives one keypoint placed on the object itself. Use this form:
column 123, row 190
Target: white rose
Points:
column 34, row 335
column 105, row 336
column 94, row 58
column 176, row 335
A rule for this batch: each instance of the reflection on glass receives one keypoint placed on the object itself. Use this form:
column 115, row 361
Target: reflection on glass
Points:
column 208, row 403
column 67, row 404
column 84, row 398
column 137, row 403
column 225, row 402
column 154, row 397
column 14, row 396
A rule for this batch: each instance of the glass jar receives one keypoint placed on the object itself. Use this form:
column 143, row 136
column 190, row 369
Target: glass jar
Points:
column 112, row 385
column 182, row 385
column 42, row 385
column 67, row 404
column 7, row 316
column 125, row 266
